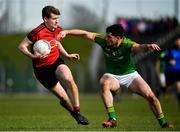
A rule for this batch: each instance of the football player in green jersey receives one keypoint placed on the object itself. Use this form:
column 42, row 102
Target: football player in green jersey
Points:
column 121, row 70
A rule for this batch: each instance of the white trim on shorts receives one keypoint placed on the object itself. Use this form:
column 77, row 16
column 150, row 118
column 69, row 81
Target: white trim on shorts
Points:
column 125, row 80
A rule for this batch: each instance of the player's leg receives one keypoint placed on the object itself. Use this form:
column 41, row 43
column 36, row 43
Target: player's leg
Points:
column 108, row 85
column 63, row 73
column 173, row 82
column 48, row 79
column 140, row 87
column 59, row 92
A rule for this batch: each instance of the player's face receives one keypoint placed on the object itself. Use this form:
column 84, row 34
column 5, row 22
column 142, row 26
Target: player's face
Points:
column 178, row 43
column 52, row 22
column 112, row 40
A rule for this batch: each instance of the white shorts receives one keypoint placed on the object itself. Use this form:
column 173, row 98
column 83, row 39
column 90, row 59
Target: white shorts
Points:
column 162, row 79
column 125, row 80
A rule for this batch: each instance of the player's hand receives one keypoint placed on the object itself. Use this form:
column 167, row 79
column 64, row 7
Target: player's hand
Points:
column 37, row 55
column 153, row 47
column 172, row 62
column 61, row 35
column 73, row 56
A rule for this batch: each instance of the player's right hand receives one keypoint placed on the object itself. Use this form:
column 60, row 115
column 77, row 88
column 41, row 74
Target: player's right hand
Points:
column 37, row 55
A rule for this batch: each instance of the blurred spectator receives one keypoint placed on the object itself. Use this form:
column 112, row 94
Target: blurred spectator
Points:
column 124, row 23
column 145, row 26
column 160, row 68
column 142, row 26
column 172, row 67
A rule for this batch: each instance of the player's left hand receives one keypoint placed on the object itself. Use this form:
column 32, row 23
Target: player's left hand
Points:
column 73, row 56
column 153, row 47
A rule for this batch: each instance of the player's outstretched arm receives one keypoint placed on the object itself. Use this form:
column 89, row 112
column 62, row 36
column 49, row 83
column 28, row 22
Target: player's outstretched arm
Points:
column 145, row 48
column 77, row 32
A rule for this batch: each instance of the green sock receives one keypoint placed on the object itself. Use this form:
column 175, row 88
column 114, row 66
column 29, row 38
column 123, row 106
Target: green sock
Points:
column 111, row 113
column 162, row 120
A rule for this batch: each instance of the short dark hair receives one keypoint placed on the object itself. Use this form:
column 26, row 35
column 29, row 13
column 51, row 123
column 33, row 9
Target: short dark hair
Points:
column 115, row 30
column 47, row 10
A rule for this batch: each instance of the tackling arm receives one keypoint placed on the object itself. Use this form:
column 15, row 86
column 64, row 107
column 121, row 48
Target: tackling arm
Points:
column 145, row 48
column 77, row 32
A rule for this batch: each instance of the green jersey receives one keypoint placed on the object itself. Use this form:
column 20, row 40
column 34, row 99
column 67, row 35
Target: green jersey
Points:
column 118, row 60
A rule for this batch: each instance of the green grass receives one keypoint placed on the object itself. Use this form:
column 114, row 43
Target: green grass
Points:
column 42, row 113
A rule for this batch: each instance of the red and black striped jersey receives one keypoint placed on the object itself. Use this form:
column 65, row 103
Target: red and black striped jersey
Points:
column 42, row 32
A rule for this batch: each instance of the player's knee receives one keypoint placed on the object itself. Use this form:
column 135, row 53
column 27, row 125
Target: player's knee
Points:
column 151, row 97
column 105, row 84
column 68, row 80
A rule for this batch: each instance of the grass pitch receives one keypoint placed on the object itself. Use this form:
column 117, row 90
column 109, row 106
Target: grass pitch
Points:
column 43, row 113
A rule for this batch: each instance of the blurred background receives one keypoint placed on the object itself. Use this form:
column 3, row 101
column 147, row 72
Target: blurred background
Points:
column 145, row 21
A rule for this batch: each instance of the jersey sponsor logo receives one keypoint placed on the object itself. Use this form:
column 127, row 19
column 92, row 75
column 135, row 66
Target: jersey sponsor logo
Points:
column 113, row 55
column 53, row 43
